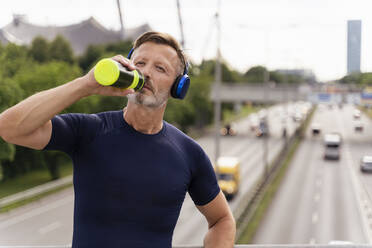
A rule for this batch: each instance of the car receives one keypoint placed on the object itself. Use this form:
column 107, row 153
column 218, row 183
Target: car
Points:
column 358, row 126
column 366, row 163
column 356, row 114
column 315, row 129
column 297, row 117
column 263, row 129
column 254, row 122
column 227, row 130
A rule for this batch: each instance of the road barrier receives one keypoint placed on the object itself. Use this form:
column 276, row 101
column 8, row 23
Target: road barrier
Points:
column 41, row 189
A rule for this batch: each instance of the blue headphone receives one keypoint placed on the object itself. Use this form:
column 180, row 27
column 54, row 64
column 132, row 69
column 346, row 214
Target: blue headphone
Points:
column 181, row 83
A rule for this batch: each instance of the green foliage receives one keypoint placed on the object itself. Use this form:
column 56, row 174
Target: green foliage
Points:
column 208, row 67
column 277, row 77
column 38, row 77
column 10, row 93
column 366, row 79
column 96, row 52
column 362, row 79
column 39, row 50
column 12, row 59
column 255, row 74
column 7, row 151
column 61, row 50
column 122, row 48
column 91, row 55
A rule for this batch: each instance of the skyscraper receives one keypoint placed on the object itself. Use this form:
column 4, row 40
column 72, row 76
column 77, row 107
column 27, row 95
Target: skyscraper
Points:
column 354, row 33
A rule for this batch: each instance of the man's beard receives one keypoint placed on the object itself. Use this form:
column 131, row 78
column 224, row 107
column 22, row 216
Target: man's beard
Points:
column 155, row 100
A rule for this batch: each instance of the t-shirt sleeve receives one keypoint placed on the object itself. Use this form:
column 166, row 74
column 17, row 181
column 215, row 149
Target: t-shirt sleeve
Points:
column 71, row 130
column 204, row 186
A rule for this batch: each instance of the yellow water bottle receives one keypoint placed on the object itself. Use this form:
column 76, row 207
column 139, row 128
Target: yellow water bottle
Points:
column 108, row 72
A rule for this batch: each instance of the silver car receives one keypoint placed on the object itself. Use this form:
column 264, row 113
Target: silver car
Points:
column 366, row 164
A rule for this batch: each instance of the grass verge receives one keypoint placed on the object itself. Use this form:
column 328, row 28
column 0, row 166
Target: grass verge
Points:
column 252, row 226
column 30, row 180
column 31, row 199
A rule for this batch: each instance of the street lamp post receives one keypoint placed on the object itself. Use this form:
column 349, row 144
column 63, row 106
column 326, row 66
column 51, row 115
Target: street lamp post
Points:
column 217, row 103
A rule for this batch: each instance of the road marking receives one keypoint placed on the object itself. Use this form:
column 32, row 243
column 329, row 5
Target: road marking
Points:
column 314, row 218
column 317, row 197
column 358, row 189
column 50, row 227
column 35, row 212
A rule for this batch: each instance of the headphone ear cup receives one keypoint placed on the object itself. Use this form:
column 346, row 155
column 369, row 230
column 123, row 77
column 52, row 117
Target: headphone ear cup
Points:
column 180, row 86
column 175, row 86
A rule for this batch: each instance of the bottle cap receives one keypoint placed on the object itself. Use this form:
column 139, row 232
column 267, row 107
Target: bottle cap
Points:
column 106, row 72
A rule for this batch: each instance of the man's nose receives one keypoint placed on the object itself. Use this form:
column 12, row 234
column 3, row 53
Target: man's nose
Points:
column 145, row 70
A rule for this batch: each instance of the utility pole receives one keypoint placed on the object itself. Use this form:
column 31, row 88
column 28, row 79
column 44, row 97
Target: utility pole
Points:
column 265, row 152
column 181, row 24
column 122, row 32
column 218, row 79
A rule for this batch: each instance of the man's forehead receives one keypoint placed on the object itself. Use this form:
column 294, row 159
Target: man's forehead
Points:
column 158, row 50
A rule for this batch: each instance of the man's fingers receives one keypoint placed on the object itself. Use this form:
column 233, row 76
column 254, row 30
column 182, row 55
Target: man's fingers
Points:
column 124, row 61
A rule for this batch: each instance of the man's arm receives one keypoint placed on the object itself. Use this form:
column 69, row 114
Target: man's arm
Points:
column 221, row 223
column 29, row 122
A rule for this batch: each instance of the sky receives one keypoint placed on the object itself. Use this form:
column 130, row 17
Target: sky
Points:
column 277, row 34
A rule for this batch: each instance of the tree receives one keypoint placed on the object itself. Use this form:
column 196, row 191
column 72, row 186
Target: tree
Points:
column 38, row 77
column 32, row 79
column 208, row 68
column 90, row 56
column 255, row 74
column 39, row 50
column 122, row 47
column 61, row 50
column 366, row 79
column 12, row 59
column 10, row 94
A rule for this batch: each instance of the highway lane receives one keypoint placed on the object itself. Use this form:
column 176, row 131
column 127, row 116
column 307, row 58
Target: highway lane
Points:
column 49, row 221
column 319, row 200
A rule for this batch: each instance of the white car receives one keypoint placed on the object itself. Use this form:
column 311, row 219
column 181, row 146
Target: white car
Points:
column 356, row 114
column 366, row 164
column 315, row 128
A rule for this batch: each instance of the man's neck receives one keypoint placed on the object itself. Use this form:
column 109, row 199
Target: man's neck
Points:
column 142, row 119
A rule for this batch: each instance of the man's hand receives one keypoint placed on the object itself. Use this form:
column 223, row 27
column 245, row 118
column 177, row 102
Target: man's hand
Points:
column 94, row 88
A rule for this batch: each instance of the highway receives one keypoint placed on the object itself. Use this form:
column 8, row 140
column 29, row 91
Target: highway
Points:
column 49, row 221
column 324, row 201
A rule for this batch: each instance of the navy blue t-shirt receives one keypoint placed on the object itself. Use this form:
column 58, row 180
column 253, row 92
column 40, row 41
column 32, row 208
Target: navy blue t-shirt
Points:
column 129, row 186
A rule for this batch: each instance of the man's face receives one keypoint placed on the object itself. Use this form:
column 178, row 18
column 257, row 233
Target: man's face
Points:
column 159, row 64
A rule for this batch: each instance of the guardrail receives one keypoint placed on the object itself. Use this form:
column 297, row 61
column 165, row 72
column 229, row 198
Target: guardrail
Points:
column 44, row 188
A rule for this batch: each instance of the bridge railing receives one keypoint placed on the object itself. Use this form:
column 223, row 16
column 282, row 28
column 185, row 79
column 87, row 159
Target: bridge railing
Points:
column 338, row 245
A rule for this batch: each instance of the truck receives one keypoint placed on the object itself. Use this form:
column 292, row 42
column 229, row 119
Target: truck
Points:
column 228, row 175
column 332, row 143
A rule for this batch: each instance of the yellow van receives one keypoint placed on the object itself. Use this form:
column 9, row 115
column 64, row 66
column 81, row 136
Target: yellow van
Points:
column 228, row 175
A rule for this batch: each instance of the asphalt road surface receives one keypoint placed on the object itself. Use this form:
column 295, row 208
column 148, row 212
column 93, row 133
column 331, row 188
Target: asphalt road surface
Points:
column 324, row 201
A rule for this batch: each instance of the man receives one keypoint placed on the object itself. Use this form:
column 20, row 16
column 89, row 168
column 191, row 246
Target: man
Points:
column 131, row 168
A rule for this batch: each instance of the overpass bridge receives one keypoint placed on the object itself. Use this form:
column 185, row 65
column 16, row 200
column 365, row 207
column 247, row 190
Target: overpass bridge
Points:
column 278, row 93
